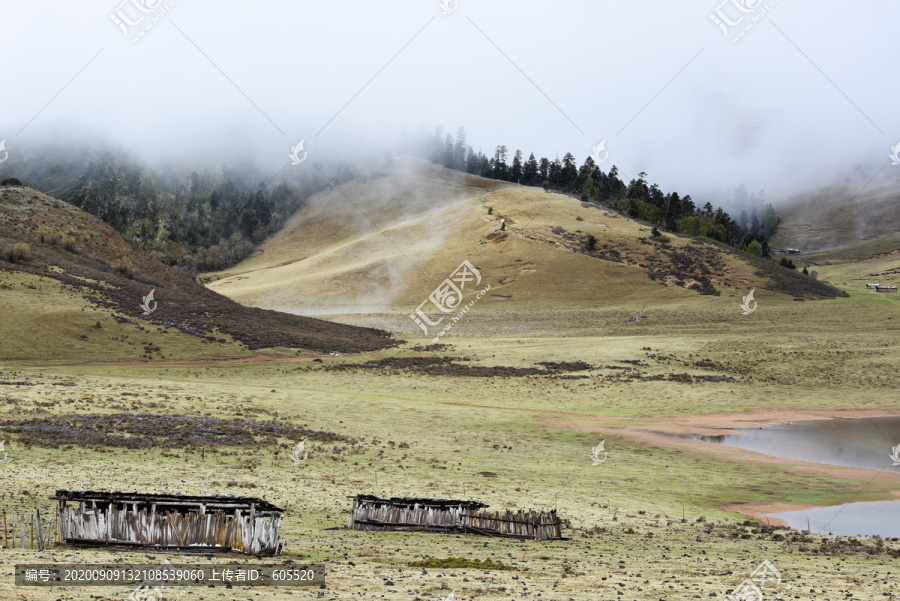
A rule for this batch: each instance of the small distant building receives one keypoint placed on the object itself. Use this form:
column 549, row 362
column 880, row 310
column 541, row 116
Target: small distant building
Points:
column 793, row 251
column 450, row 516
column 872, row 286
column 886, row 289
column 171, row 522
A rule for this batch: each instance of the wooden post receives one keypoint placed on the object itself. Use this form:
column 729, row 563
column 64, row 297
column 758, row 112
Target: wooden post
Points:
column 23, row 529
column 40, row 535
column 5, row 540
column 32, row 532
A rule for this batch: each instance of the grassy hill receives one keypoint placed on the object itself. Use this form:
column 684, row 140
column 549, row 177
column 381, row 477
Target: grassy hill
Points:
column 381, row 247
column 72, row 288
column 849, row 231
column 851, row 219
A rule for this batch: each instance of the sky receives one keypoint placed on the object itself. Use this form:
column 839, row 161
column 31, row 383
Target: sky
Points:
column 784, row 96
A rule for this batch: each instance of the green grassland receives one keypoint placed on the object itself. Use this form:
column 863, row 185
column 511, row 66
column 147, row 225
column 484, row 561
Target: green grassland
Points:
column 516, row 442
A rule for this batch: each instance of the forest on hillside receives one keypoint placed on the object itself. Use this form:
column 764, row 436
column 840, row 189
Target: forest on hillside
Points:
column 207, row 218
column 194, row 218
column 637, row 199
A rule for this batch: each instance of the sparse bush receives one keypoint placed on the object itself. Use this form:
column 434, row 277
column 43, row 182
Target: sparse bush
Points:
column 68, row 245
column 502, row 226
column 755, row 249
column 17, row 253
column 10, row 181
column 591, row 243
column 490, row 210
column 793, row 283
column 655, row 232
column 785, row 262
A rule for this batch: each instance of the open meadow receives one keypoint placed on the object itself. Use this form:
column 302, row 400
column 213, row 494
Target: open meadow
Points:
column 483, row 418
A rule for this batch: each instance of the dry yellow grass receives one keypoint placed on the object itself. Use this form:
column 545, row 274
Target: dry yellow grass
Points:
column 45, row 320
column 331, row 260
column 534, row 433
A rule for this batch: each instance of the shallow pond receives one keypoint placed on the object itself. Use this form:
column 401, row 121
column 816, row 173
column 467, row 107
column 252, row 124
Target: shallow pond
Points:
column 855, row 442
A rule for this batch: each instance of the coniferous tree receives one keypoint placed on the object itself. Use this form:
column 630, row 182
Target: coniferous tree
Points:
column 544, row 170
column 569, row 175
column 530, row 171
column 459, row 150
column 515, row 172
column 500, row 168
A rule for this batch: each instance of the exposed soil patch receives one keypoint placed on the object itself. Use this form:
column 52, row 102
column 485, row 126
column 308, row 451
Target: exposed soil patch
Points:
column 446, row 366
column 144, row 431
column 690, row 267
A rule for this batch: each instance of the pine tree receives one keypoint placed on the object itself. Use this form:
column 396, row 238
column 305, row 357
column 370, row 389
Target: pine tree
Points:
column 515, row 173
column 530, row 171
column 459, row 150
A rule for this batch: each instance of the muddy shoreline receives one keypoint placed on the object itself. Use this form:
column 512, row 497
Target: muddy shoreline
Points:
column 671, row 433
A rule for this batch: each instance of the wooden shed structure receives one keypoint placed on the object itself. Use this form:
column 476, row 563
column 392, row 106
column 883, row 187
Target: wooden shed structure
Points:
column 885, row 289
column 173, row 522
column 450, row 516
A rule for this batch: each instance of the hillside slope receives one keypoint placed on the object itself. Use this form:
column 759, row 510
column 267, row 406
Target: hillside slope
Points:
column 846, row 220
column 72, row 288
column 382, row 247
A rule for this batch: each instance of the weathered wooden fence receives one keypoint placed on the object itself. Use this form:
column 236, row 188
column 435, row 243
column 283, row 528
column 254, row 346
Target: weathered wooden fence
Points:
column 35, row 528
column 447, row 515
column 251, row 534
column 539, row 525
column 167, row 521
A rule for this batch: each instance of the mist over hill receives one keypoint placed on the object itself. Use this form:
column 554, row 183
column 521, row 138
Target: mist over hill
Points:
column 195, row 215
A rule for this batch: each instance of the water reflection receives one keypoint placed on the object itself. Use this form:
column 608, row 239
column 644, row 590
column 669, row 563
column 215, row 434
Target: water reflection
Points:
column 850, row 519
column 856, row 442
